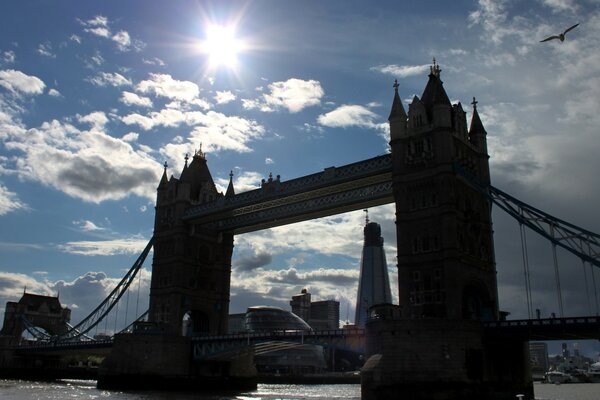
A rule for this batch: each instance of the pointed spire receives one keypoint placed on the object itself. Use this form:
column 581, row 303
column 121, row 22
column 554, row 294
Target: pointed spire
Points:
column 476, row 124
column 230, row 191
column 164, row 180
column 366, row 216
column 397, row 111
column 434, row 92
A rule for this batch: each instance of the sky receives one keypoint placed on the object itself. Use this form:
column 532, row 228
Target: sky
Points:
column 96, row 96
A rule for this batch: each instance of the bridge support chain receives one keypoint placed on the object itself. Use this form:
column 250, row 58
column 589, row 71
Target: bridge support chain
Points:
column 156, row 361
column 442, row 359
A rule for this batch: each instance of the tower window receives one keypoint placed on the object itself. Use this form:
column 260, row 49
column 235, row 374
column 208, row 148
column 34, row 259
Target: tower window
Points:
column 416, row 276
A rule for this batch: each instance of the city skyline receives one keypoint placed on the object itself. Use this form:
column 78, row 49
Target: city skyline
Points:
column 95, row 98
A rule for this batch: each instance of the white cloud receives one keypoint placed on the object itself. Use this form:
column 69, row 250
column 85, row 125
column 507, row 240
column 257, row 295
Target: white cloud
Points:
column 105, row 247
column 10, row 202
column 9, row 57
column 45, row 49
column 87, row 226
column 562, row 5
column 130, row 137
column 401, row 71
column 153, row 61
column 108, row 78
column 224, row 97
column 164, row 85
column 293, row 94
column 269, row 161
column 132, row 99
column 122, row 39
column 243, row 182
column 349, row 115
column 18, row 82
column 96, row 119
column 99, row 31
column 89, row 165
column 53, row 92
column 75, row 38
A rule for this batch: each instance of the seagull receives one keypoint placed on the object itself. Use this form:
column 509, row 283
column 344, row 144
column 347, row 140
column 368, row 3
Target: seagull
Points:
column 560, row 36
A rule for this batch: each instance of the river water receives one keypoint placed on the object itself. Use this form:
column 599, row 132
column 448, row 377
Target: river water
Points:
column 25, row 390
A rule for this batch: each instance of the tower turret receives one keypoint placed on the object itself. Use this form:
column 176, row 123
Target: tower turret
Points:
column 398, row 117
column 230, row 190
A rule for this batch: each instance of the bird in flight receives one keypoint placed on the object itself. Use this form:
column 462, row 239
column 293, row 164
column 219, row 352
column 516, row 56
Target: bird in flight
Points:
column 560, row 36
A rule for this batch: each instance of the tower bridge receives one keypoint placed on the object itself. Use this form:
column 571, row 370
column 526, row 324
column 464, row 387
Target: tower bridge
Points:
column 445, row 339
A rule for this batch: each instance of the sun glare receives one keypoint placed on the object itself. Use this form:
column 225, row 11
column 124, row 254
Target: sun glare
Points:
column 221, row 46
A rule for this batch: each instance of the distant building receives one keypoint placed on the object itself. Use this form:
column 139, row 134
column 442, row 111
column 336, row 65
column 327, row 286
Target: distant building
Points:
column 237, row 323
column 374, row 282
column 540, row 364
column 320, row 315
column 301, row 359
column 324, row 315
column 301, row 305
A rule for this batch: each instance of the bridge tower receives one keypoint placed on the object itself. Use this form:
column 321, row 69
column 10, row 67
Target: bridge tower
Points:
column 189, row 296
column 189, row 292
column 432, row 345
column 40, row 311
column 446, row 266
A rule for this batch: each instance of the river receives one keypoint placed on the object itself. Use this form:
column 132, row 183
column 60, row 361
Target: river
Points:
column 25, row 390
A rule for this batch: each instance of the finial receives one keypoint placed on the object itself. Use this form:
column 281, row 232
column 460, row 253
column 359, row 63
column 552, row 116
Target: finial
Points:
column 396, row 85
column 366, row 216
column 435, row 69
column 199, row 152
column 474, row 103
column 187, row 156
column 165, row 165
column 231, row 175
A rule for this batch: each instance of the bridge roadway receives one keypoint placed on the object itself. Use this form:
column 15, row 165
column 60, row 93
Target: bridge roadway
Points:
column 527, row 329
column 355, row 186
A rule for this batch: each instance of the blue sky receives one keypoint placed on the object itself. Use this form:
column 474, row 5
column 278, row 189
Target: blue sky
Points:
column 95, row 97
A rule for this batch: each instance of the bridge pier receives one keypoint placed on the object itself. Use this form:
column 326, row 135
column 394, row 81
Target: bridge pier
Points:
column 441, row 359
column 155, row 361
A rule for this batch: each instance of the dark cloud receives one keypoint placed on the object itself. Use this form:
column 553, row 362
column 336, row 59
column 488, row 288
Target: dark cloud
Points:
column 241, row 299
column 250, row 263
column 98, row 178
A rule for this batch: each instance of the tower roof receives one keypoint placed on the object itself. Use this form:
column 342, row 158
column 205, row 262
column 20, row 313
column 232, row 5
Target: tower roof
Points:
column 476, row 124
column 397, row 108
column 434, row 92
column 197, row 173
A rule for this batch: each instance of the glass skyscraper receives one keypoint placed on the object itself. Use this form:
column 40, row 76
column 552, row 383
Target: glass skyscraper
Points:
column 374, row 282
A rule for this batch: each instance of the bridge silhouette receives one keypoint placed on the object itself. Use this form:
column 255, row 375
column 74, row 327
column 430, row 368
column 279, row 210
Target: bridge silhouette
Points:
column 195, row 225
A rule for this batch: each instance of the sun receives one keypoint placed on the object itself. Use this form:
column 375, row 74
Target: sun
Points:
column 221, row 46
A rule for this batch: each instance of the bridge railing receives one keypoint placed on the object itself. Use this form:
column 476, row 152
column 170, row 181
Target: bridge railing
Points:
column 280, row 334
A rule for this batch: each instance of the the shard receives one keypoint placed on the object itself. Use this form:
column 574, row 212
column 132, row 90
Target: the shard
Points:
column 374, row 282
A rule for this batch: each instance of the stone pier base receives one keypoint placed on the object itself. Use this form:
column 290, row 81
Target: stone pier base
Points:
column 147, row 361
column 438, row 359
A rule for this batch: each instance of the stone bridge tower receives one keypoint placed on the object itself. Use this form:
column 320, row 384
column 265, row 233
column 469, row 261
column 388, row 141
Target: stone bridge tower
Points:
column 446, row 266
column 191, row 269
column 433, row 345
column 40, row 311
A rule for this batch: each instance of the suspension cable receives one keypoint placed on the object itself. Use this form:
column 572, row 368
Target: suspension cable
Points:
column 137, row 302
column 126, row 305
column 526, row 269
column 585, row 280
column 556, row 274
